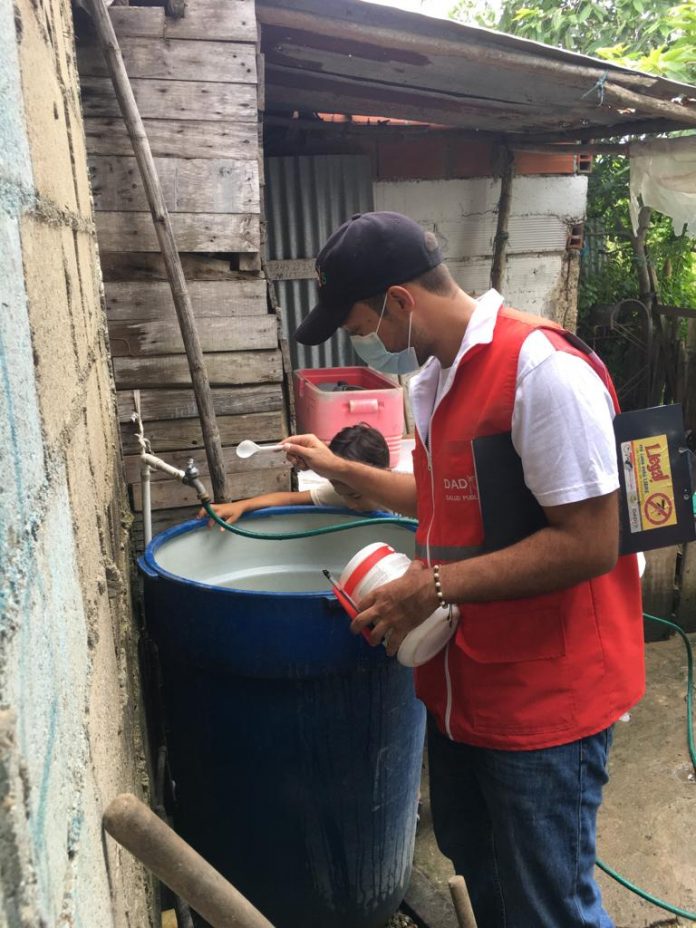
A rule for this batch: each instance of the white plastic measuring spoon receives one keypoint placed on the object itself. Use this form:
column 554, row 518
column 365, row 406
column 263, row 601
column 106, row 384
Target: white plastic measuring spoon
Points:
column 246, row 448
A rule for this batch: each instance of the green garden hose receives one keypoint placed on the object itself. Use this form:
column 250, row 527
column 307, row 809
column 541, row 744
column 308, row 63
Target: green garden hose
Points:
column 307, row 533
column 400, row 520
column 675, row 910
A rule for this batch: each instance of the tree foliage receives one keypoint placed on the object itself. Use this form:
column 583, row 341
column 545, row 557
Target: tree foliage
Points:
column 650, row 35
column 612, row 274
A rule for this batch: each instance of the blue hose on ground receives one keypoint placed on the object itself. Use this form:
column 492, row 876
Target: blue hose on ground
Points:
column 400, row 520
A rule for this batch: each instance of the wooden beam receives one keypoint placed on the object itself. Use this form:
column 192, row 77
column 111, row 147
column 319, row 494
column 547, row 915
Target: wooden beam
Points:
column 134, row 339
column 174, row 60
column 502, row 234
column 149, row 266
column 176, row 434
column 224, row 369
column 572, row 148
column 120, row 231
column 181, row 404
column 292, row 87
column 159, row 99
column 679, row 312
column 164, row 236
column 621, row 128
column 435, row 39
column 219, row 185
column 151, row 301
column 291, row 269
column 178, row 138
column 678, row 112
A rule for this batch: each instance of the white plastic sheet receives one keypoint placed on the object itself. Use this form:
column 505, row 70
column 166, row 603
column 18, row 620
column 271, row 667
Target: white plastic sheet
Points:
column 663, row 176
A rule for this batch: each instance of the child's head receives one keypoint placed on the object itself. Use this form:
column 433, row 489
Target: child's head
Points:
column 365, row 445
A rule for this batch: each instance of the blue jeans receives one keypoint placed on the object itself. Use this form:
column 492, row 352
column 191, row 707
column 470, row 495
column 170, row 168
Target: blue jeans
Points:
column 520, row 827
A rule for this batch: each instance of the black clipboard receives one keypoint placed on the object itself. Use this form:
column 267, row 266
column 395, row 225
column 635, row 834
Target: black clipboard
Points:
column 656, row 488
column 509, row 510
column 655, row 513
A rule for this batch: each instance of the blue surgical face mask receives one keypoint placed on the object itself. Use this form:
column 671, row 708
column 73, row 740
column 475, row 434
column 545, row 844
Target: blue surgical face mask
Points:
column 373, row 352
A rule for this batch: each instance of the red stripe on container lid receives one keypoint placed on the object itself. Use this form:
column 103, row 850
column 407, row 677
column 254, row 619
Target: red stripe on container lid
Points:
column 364, row 567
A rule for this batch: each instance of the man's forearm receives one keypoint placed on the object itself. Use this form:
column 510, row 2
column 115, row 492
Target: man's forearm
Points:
column 556, row 557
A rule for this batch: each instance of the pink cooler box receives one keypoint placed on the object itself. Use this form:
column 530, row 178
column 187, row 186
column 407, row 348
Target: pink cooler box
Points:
column 367, row 397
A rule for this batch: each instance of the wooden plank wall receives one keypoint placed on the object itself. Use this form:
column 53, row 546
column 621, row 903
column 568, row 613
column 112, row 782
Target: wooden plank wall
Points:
column 195, row 80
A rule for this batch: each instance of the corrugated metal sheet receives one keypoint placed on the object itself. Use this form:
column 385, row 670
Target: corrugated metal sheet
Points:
column 352, row 57
column 307, row 197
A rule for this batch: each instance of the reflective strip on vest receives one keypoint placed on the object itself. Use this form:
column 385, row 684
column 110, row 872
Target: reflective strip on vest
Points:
column 447, row 552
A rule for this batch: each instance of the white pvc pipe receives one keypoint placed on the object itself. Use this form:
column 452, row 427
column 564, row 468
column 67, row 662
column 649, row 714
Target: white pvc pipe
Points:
column 147, row 501
column 159, row 464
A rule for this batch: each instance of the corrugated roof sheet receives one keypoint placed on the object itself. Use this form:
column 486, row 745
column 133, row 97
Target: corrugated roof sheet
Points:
column 349, row 56
column 307, row 197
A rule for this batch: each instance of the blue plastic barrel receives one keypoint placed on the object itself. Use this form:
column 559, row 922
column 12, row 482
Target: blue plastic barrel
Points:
column 295, row 747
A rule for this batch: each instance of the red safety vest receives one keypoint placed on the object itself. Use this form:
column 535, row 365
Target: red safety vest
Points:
column 519, row 674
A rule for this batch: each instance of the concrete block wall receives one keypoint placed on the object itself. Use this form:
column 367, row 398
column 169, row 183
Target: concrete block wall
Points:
column 70, row 716
column 541, row 272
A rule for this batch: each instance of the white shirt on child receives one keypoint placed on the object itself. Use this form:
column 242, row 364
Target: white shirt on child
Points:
column 324, row 495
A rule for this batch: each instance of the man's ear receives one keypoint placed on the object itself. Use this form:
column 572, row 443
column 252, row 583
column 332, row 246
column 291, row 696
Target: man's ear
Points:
column 400, row 300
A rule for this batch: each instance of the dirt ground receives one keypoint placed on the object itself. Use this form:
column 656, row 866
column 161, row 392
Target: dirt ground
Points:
column 647, row 825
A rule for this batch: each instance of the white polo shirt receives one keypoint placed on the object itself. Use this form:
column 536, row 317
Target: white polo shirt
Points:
column 562, row 418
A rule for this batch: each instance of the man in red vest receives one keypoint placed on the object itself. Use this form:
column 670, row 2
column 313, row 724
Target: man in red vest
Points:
column 548, row 652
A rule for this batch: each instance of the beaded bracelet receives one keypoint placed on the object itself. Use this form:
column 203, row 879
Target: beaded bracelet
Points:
column 438, row 586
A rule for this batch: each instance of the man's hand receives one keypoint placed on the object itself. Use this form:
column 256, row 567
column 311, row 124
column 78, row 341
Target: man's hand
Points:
column 307, row 452
column 398, row 607
column 228, row 512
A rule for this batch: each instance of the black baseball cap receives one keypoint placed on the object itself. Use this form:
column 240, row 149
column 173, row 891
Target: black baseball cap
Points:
column 363, row 258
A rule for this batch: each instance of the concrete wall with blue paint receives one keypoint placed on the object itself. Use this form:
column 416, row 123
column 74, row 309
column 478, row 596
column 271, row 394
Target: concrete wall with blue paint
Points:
column 70, row 719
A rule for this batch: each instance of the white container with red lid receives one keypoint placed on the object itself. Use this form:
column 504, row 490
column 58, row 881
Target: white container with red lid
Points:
column 377, row 564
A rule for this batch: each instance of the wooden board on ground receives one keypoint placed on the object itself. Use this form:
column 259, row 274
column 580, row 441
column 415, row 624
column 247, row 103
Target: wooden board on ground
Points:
column 170, row 494
column 148, row 302
column 224, row 369
column 199, row 185
column 179, row 434
column 118, row 231
column 158, row 99
column 181, row 404
column 429, row 904
column 132, row 338
column 180, row 138
column 175, row 60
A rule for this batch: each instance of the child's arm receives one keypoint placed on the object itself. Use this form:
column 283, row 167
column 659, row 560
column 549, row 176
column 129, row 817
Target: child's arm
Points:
column 230, row 512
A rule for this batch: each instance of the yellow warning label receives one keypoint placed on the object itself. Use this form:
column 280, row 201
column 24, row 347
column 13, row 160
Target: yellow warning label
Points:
column 649, row 486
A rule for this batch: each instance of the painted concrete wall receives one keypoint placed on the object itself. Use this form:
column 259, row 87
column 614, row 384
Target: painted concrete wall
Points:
column 540, row 276
column 70, row 733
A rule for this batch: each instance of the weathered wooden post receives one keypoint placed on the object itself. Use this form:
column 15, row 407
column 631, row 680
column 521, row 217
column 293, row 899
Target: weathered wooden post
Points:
column 165, row 235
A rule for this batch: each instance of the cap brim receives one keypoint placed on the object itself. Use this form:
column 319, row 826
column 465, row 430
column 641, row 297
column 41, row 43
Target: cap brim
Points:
column 320, row 324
